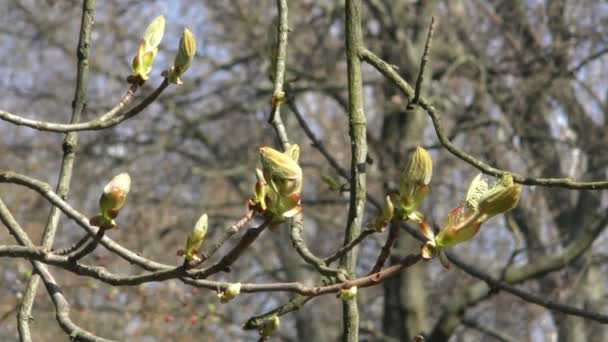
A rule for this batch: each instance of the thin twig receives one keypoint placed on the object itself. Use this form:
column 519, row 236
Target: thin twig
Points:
column 278, row 94
column 385, row 252
column 227, row 260
column 62, row 307
column 88, row 248
column 318, row 144
column 298, row 243
column 69, row 145
column 109, row 119
column 72, row 248
column 423, row 61
column 499, row 336
column 338, row 254
column 228, row 233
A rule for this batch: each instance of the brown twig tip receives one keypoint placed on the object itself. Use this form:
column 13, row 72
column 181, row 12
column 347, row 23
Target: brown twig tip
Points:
column 423, row 62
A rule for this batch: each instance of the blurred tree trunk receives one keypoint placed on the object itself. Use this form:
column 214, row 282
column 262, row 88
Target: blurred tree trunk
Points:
column 405, row 26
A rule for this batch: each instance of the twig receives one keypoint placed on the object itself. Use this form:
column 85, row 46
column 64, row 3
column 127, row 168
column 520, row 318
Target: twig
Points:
column 363, row 282
column 388, row 71
column 514, row 275
column 499, row 336
column 62, row 307
column 47, row 193
column 228, row 233
column 528, row 296
column 318, row 144
column 228, row 259
column 70, row 142
column 279, row 75
column 298, row 243
column 295, row 304
column 385, row 252
column 423, row 61
column 109, row 119
column 72, row 248
column 338, row 254
column 88, row 248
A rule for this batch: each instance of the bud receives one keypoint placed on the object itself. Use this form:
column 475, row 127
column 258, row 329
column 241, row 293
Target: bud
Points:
column 502, row 197
column 115, row 195
column 283, row 182
column 142, row 63
column 184, row 57
column 348, row 294
column 415, row 181
column 386, row 215
column 270, row 326
column 195, row 240
column 229, row 293
column 112, row 199
column 282, row 168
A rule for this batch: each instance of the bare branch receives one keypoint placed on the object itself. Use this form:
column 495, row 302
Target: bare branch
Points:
column 106, row 120
column 279, row 75
column 423, row 61
column 388, row 71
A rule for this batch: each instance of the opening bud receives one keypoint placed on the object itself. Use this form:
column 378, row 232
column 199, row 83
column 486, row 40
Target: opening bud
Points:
column 270, row 326
column 142, row 62
column 113, row 198
column 229, row 293
column 415, row 179
column 386, row 215
column 195, row 239
column 280, row 189
column 184, row 57
column 348, row 294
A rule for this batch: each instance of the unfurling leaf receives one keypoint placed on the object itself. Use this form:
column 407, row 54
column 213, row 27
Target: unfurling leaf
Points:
column 148, row 47
column 195, row 239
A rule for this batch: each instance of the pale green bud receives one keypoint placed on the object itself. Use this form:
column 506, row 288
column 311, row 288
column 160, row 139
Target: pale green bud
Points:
column 195, row 239
column 114, row 195
column 386, row 215
column 154, row 33
column 283, row 183
column 112, row 199
column 415, row 179
column 229, row 293
column 348, row 294
column 184, row 57
column 270, row 326
column 419, row 168
column 142, row 63
column 282, row 167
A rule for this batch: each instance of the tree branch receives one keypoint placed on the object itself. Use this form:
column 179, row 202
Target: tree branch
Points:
column 106, row 120
column 389, row 72
column 357, row 131
column 279, row 75
column 65, row 174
